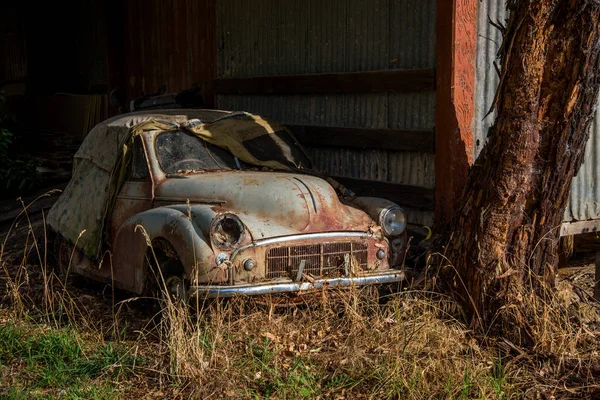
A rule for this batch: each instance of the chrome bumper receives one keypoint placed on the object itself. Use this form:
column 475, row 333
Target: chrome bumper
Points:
column 291, row 286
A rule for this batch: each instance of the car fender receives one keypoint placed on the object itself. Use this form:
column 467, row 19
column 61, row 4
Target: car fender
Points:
column 173, row 224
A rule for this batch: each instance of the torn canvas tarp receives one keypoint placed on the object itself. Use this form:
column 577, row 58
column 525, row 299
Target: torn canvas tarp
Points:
column 101, row 162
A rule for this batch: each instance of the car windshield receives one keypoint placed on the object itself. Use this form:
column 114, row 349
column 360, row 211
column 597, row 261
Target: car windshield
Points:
column 179, row 152
column 182, row 152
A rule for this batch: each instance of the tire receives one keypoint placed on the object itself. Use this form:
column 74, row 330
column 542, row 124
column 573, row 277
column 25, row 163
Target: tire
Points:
column 175, row 286
column 165, row 278
column 62, row 255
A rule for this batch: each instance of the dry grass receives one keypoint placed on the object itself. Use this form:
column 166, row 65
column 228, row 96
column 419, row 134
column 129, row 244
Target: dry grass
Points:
column 350, row 344
column 355, row 346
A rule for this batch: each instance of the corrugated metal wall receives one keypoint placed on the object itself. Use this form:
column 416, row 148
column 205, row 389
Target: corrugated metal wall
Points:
column 585, row 191
column 169, row 43
column 271, row 37
column 489, row 40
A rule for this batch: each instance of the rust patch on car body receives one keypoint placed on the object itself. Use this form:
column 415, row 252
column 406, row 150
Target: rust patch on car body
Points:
column 251, row 182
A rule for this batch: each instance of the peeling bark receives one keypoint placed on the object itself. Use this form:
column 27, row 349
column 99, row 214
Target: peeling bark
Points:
column 505, row 233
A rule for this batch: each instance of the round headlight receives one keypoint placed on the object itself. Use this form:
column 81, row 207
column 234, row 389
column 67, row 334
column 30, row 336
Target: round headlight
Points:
column 226, row 231
column 392, row 220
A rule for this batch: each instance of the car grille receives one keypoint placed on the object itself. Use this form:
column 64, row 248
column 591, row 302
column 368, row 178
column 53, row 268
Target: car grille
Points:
column 322, row 259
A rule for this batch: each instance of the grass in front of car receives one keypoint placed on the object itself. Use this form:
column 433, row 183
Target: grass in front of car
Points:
column 79, row 341
column 353, row 345
column 350, row 347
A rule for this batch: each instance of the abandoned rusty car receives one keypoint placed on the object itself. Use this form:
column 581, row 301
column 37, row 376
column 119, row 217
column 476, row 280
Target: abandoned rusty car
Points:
column 222, row 204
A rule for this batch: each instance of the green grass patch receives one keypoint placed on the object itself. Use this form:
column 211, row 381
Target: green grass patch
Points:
column 294, row 379
column 58, row 359
column 76, row 392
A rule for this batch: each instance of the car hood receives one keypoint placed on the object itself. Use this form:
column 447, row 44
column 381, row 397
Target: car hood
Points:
column 269, row 203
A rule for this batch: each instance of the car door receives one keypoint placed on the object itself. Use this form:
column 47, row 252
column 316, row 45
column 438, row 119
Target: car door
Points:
column 135, row 195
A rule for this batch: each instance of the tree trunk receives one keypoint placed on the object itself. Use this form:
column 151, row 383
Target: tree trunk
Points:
column 505, row 233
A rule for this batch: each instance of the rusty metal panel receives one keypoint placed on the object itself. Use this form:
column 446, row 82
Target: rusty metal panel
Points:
column 585, row 191
column 282, row 38
column 341, row 110
column 332, row 110
column 412, row 33
column 412, row 110
column 270, row 37
column 417, row 169
column 169, row 43
column 366, row 164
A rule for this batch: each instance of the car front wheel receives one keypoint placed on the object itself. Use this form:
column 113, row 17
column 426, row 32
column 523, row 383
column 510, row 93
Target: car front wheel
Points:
column 165, row 277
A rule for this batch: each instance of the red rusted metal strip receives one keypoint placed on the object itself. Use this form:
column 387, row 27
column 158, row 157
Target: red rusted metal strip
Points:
column 455, row 85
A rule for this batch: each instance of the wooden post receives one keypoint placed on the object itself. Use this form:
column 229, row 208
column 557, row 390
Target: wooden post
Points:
column 455, row 85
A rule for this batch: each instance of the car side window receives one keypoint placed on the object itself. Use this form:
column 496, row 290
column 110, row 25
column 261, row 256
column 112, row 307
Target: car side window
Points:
column 139, row 167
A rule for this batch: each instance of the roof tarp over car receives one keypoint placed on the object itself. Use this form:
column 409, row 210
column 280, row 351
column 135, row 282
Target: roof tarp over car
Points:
column 100, row 164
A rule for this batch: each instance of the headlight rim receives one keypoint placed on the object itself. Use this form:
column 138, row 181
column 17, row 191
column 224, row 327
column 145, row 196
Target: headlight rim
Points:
column 381, row 220
column 214, row 227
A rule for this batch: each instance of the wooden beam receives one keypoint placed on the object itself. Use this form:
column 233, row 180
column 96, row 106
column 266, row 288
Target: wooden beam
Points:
column 378, row 139
column 415, row 197
column 395, row 80
column 455, row 85
column 578, row 227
